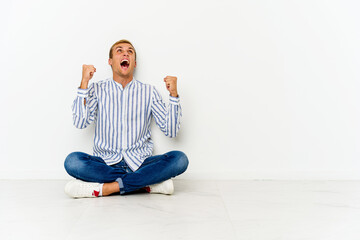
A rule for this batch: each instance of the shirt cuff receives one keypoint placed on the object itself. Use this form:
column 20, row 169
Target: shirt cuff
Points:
column 82, row 92
column 174, row 100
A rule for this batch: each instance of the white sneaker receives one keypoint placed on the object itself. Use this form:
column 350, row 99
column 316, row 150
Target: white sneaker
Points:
column 166, row 187
column 80, row 189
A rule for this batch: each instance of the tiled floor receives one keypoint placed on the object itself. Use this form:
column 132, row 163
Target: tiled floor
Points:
column 261, row 210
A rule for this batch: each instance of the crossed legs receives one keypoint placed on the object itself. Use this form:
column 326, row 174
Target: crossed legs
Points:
column 119, row 177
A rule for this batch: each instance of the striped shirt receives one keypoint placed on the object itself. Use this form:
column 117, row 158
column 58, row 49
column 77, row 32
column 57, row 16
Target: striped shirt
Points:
column 122, row 117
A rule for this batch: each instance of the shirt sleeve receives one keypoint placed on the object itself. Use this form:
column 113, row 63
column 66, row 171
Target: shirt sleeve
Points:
column 167, row 118
column 84, row 114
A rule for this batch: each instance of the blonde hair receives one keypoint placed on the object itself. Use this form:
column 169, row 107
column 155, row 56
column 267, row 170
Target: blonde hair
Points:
column 118, row 42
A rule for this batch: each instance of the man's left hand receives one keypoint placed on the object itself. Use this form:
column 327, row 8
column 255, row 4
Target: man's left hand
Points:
column 171, row 83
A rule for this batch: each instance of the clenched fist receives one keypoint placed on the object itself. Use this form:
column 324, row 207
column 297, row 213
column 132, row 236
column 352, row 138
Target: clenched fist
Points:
column 171, row 85
column 87, row 73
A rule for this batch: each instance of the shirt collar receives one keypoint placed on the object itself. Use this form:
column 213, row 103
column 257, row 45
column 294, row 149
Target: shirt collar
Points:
column 121, row 87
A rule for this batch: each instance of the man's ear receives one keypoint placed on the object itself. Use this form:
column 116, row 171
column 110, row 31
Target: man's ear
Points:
column 135, row 65
column 110, row 61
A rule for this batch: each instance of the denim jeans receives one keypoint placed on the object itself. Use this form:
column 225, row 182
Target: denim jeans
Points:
column 154, row 169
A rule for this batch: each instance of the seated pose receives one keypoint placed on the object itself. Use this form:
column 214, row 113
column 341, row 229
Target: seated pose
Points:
column 122, row 108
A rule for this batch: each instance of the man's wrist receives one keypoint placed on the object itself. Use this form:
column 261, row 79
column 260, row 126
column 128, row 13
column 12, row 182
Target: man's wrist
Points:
column 84, row 84
column 174, row 94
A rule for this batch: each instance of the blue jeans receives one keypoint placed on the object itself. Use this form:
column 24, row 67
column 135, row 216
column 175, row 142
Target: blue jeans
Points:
column 154, row 169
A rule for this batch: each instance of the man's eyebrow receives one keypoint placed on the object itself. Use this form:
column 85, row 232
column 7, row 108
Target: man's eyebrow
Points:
column 122, row 47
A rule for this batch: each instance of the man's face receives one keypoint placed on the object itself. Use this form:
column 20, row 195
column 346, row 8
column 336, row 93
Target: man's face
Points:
column 123, row 60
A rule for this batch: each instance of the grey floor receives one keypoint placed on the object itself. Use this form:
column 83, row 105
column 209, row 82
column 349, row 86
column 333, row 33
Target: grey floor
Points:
column 198, row 210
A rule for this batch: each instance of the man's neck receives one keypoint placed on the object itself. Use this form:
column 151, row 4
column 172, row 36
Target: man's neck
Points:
column 123, row 80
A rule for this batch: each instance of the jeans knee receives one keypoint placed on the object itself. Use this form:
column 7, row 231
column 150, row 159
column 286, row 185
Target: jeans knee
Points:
column 182, row 161
column 72, row 163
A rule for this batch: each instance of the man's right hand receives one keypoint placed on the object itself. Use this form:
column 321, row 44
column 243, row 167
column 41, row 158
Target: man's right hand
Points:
column 87, row 73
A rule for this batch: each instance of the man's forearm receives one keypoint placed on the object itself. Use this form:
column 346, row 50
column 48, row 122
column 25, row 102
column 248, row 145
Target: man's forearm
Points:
column 84, row 85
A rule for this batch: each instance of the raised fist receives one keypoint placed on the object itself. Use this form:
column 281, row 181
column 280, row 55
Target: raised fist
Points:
column 88, row 72
column 171, row 85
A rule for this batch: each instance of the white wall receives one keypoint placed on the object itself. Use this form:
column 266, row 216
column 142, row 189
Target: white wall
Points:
column 269, row 89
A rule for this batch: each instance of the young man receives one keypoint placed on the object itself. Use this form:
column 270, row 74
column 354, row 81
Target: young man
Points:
column 122, row 108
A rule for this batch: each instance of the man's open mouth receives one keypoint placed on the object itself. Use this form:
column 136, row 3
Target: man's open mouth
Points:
column 125, row 64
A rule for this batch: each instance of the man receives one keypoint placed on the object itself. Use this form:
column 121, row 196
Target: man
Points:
column 122, row 108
